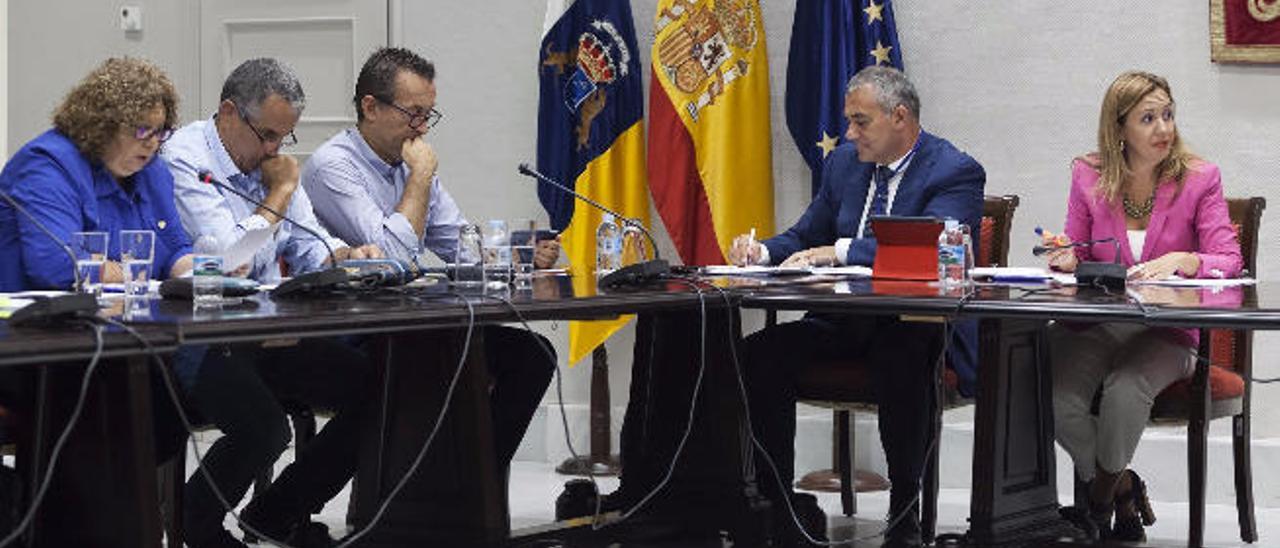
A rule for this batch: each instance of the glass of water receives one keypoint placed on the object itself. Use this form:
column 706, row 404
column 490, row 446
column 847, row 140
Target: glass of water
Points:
column 468, row 260
column 137, row 249
column 497, row 250
column 524, row 237
column 90, row 249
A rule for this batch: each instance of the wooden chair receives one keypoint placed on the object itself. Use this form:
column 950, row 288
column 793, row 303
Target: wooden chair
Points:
column 1219, row 389
column 846, row 387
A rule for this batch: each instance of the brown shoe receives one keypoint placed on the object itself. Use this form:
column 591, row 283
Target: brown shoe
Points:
column 1133, row 511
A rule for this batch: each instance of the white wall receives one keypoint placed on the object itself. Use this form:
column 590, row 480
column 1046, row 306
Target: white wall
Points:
column 56, row 42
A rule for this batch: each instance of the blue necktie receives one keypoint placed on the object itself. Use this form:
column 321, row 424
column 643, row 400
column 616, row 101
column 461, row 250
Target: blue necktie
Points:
column 879, row 200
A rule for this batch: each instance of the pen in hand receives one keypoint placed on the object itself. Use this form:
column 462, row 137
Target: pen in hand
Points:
column 743, row 246
column 1060, row 239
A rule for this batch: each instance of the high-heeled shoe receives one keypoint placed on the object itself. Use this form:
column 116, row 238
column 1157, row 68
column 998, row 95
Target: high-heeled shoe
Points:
column 1130, row 527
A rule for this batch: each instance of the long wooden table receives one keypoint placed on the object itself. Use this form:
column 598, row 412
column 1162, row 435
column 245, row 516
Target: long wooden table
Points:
column 458, row 496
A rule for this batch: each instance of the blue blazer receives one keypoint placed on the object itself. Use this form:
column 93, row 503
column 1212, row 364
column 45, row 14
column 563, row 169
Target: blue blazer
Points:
column 941, row 182
column 69, row 193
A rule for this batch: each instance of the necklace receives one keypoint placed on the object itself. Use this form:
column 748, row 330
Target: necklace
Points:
column 1138, row 211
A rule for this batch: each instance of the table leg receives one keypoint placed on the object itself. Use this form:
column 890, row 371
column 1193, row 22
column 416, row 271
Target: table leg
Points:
column 713, row 484
column 103, row 490
column 1014, row 496
column 457, row 497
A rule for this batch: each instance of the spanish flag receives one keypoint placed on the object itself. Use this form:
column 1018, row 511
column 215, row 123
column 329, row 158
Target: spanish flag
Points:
column 590, row 136
column 710, row 160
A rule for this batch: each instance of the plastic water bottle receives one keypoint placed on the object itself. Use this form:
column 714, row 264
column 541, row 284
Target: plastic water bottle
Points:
column 608, row 246
column 206, row 274
column 969, row 257
column 952, row 255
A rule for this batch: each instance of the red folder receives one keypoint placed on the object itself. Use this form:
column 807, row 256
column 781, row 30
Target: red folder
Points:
column 906, row 248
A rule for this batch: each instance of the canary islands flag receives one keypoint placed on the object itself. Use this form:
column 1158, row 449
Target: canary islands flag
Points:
column 831, row 40
column 590, row 136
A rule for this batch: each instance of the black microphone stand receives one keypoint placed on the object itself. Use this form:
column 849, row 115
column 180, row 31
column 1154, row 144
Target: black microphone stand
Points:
column 635, row 274
column 1109, row 276
column 51, row 310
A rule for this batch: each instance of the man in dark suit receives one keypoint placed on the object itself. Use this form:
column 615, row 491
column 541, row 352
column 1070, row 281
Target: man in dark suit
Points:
column 891, row 167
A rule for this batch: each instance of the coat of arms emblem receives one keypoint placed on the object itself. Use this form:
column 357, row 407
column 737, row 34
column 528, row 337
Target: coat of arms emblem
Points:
column 594, row 62
column 702, row 47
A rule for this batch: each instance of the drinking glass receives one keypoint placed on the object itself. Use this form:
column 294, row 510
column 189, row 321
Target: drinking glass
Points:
column 635, row 248
column 468, row 260
column 497, row 250
column 90, row 249
column 137, row 250
column 524, row 237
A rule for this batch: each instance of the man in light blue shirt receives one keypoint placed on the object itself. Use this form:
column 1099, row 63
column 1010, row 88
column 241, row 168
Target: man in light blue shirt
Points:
column 360, row 196
column 376, row 183
column 247, row 158
column 260, row 104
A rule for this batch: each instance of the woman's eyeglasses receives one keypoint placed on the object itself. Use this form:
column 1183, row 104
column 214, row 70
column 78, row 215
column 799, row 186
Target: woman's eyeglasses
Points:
column 142, row 133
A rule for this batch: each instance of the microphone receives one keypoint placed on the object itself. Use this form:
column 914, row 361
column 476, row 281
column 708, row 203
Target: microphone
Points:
column 1112, row 275
column 319, row 280
column 51, row 310
column 638, row 273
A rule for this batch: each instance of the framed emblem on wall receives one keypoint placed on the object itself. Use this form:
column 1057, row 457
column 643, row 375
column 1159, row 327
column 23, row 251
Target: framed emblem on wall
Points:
column 1244, row 31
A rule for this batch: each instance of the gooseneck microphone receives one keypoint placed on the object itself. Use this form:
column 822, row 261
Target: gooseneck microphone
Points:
column 53, row 309
column 1112, row 275
column 631, row 274
column 319, row 280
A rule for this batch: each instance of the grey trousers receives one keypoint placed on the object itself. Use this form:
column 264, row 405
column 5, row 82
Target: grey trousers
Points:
column 1131, row 364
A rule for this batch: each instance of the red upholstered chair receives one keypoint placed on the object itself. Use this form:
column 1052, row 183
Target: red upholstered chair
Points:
column 846, row 386
column 1220, row 389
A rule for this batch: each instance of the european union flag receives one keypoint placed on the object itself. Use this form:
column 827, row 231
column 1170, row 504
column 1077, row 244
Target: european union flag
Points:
column 831, row 40
column 591, row 93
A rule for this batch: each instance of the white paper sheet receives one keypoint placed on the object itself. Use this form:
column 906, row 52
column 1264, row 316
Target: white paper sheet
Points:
column 1198, row 282
column 242, row 252
column 855, row 270
column 754, row 270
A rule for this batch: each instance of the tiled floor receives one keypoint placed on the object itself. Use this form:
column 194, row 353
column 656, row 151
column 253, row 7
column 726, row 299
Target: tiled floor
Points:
column 534, row 487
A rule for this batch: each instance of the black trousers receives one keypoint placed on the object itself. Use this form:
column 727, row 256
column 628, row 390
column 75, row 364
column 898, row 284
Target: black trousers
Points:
column 901, row 356
column 521, row 372
column 240, row 389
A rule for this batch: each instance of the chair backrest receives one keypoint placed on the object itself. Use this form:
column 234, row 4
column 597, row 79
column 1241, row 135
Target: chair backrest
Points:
column 1233, row 349
column 1246, row 215
column 997, row 222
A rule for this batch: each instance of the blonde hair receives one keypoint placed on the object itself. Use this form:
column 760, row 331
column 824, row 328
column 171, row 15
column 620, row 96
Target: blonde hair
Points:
column 118, row 93
column 1126, row 92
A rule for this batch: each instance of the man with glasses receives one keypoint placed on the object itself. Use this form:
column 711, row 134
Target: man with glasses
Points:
column 376, row 183
column 260, row 105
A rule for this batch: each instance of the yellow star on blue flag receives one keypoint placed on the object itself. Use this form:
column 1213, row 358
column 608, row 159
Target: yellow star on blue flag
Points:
column 831, row 40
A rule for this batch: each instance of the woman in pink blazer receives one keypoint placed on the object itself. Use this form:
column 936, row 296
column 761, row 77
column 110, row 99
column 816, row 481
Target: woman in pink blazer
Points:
column 1165, row 208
